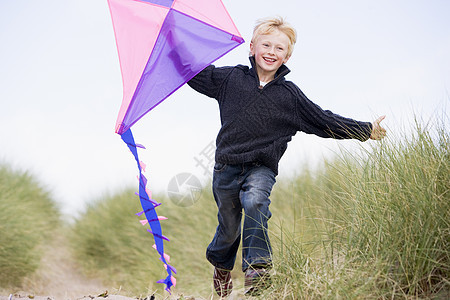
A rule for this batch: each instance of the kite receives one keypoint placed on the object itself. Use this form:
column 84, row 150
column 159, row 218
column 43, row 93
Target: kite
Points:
column 162, row 44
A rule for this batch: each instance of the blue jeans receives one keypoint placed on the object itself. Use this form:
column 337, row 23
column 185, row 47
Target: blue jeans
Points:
column 236, row 187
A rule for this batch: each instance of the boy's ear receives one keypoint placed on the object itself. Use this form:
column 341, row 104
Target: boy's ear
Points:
column 252, row 48
column 286, row 59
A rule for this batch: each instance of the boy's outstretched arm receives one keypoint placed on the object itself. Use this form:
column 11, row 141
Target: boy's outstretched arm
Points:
column 378, row 132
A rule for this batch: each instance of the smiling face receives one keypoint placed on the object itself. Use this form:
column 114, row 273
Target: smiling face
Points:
column 270, row 52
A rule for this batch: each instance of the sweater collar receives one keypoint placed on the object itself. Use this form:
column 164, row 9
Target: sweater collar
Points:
column 279, row 75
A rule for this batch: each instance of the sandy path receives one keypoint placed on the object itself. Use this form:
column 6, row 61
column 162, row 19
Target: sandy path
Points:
column 25, row 296
column 58, row 277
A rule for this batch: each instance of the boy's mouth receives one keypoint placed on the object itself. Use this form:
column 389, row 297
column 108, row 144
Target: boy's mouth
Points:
column 269, row 60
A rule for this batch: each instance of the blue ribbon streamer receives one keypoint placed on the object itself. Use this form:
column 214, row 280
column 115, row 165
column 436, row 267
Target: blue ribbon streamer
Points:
column 149, row 210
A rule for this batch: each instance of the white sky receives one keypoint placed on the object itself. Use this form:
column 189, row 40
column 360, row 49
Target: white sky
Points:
column 61, row 86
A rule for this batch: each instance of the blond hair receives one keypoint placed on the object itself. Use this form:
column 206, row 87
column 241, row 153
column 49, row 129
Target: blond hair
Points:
column 269, row 25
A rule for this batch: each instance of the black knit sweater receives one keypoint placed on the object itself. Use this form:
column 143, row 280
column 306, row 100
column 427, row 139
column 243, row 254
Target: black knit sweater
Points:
column 258, row 123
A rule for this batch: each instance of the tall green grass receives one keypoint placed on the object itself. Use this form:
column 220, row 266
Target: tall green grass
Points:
column 27, row 217
column 373, row 225
column 378, row 224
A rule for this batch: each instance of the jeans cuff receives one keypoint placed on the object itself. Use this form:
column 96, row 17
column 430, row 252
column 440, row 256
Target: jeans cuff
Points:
column 217, row 265
column 257, row 264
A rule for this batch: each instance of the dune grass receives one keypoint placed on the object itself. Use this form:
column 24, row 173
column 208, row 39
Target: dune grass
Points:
column 371, row 225
column 377, row 224
column 27, row 217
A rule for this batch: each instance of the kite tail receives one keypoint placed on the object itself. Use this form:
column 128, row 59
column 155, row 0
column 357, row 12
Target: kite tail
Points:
column 148, row 206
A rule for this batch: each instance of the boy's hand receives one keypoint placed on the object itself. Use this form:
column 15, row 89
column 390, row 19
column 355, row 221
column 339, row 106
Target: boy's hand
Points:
column 378, row 132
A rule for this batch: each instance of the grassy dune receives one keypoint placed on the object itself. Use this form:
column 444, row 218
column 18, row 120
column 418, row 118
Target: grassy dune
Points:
column 367, row 225
column 370, row 226
column 112, row 244
column 27, row 218
column 373, row 225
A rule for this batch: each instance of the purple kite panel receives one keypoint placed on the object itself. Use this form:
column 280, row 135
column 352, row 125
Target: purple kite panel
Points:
column 185, row 46
column 167, row 3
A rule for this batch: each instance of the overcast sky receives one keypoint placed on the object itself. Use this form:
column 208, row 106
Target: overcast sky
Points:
column 61, row 86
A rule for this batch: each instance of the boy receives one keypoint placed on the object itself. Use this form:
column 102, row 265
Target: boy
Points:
column 260, row 112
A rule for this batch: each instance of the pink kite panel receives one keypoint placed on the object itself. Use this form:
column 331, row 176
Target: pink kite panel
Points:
column 212, row 12
column 184, row 47
column 136, row 27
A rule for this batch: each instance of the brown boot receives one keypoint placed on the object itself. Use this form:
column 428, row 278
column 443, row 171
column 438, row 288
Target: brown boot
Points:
column 222, row 282
column 256, row 280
